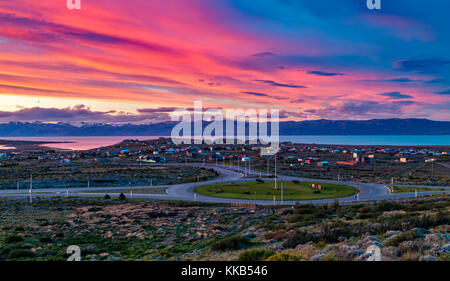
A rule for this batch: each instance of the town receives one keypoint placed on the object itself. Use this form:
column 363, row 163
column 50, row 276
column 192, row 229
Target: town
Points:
column 381, row 164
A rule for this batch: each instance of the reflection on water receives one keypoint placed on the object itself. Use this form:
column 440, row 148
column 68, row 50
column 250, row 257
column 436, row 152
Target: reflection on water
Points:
column 6, row 147
column 78, row 143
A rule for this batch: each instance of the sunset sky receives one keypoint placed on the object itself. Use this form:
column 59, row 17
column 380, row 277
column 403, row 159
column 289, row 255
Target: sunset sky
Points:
column 137, row 60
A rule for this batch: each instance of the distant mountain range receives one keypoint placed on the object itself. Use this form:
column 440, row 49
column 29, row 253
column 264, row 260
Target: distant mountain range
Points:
column 315, row 127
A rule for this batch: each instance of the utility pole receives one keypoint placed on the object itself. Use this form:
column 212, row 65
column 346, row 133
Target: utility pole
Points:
column 432, row 169
column 31, row 188
column 275, row 172
column 281, row 192
column 89, row 185
column 131, row 189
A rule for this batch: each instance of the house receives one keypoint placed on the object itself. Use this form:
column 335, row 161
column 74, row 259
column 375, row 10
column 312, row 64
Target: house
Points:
column 322, row 164
column 349, row 163
column 403, row 160
column 291, row 159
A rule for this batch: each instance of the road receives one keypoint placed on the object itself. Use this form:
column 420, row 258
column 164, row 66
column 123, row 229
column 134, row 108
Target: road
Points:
column 227, row 174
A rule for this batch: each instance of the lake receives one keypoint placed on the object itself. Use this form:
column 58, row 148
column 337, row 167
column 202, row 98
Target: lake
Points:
column 83, row 143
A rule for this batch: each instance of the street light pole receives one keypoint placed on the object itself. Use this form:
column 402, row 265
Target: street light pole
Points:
column 275, row 172
column 131, row 188
column 31, row 188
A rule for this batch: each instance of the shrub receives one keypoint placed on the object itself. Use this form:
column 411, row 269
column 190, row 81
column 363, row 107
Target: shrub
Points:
column 389, row 206
column 284, row 256
column 45, row 239
column 12, row 239
column 331, row 233
column 305, row 209
column 280, row 235
column 20, row 253
column 255, row 255
column 300, row 237
column 231, row 243
column 407, row 236
column 122, row 197
column 107, row 197
column 19, row 228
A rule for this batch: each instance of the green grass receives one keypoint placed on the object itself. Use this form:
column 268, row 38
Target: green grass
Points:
column 265, row 191
column 406, row 189
column 135, row 191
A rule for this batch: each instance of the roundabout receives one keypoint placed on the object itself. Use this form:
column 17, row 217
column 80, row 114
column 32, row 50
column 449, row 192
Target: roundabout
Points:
column 231, row 186
column 287, row 190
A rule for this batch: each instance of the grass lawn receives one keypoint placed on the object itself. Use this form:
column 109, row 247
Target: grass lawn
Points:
column 135, row 191
column 265, row 191
column 406, row 189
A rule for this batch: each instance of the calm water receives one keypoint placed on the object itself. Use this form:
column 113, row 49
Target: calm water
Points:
column 82, row 143
column 5, row 147
column 371, row 140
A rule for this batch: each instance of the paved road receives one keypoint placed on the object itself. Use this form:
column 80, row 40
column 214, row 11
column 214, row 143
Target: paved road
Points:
column 227, row 174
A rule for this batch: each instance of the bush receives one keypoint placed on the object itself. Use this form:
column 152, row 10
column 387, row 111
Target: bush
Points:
column 300, row 237
column 231, row 243
column 20, row 253
column 122, row 197
column 283, row 256
column 94, row 209
column 330, row 233
column 12, row 239
column 305, row 209
column 45, row 239
column 107, row 197
column 255, row 255
column 407, row 236
column 19, row 228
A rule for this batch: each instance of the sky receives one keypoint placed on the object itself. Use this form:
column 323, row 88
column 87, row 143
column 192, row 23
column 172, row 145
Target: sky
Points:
column 136, row 61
